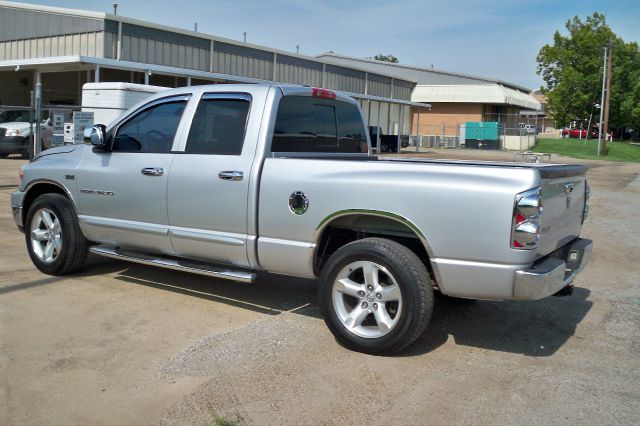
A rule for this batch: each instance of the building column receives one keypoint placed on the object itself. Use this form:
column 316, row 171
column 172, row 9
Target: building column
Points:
column 97, row 74
column 119, row 44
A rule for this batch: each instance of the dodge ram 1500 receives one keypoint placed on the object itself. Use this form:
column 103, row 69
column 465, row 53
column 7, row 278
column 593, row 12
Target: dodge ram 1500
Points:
column 229, row 180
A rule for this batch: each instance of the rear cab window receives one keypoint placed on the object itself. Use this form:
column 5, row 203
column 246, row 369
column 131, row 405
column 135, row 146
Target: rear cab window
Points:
column 307, row 124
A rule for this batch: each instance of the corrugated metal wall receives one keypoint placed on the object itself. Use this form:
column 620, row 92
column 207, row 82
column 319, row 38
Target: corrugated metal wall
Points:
column 26, row 33
column 20, row 24
column 346, row 79
column 422, row 76
column 295, row 70
column 379, row 85
column 87, row 44
column 149, row 51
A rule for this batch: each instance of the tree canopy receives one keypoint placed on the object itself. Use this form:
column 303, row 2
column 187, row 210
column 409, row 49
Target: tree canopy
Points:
column 572, row 71
column 386, row 58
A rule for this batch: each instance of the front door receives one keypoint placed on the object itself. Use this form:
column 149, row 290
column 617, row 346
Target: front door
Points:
column 209, row 182
column 122, row 194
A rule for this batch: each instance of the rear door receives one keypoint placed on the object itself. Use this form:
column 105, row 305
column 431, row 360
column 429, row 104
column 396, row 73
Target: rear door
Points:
column 209, row 183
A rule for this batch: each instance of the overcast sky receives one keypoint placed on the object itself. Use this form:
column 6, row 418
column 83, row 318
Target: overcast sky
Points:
column 498, row 39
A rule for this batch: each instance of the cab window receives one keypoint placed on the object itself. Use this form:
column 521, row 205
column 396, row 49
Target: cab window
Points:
column 308, row 124
column 218, row 127
column 151, row 130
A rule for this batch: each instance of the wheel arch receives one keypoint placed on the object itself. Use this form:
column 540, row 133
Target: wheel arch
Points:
column 345, row 226
column 40, row 187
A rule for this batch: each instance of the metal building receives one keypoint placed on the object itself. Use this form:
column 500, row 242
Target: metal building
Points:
column 457, row 98
column 65, row 48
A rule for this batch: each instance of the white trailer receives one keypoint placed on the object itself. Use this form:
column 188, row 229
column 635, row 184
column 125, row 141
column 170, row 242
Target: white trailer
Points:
column 108, row 101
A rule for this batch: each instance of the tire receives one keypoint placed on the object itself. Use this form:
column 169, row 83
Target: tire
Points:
column 25, row 151
column 3, row 155
column 383, row 319
column 54, row 239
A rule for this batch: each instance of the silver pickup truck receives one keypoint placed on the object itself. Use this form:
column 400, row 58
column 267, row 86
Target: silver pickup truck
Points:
column 229, row 180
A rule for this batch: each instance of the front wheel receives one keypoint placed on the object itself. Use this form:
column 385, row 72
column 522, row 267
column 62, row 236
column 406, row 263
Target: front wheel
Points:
column 54, row 239
column 376, row 296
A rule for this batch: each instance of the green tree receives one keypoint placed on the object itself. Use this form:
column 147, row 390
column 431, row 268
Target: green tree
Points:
column 572, row 72
column 386, row 58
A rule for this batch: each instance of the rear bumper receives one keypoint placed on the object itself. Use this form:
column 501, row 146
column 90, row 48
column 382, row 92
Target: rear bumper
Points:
column 552, row 273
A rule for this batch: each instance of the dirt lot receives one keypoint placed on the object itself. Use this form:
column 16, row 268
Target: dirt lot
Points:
column 125, row 344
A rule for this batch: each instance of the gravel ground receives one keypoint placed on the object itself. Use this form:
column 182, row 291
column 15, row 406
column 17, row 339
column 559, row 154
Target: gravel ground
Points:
column 125, row 344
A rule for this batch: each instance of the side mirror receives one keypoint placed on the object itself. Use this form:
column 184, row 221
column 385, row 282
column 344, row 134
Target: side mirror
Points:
column 99, row 136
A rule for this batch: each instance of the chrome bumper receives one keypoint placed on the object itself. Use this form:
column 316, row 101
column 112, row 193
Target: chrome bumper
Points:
column 16, row 208
column 551, row 274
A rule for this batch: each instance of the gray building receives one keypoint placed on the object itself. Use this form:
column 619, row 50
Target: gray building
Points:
column 65, row 48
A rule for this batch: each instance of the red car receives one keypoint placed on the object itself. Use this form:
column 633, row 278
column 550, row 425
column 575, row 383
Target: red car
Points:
column 579, row 133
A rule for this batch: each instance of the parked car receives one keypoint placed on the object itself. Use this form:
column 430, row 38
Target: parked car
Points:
column 15, row 133
column 230, row 180
column 579, row 133
column 529, row 129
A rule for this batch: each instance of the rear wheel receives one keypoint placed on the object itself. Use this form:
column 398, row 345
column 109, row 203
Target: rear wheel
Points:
column 25, row 151
column 376, row 296
column 54, row 240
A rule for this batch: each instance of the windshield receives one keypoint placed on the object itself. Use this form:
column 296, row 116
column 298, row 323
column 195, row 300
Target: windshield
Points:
column 15, row 115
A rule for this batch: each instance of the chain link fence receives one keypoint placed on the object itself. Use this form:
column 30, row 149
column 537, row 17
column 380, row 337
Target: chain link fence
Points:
column 461, row 136
column 18, row 127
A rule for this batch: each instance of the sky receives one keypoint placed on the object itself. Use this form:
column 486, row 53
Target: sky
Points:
column 496, row 39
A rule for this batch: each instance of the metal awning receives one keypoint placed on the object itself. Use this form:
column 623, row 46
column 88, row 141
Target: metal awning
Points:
column 75, row 63
column 474, row 93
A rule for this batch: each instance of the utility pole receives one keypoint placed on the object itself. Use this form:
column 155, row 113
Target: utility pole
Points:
column 607, row 100
column 244, row 36
column 604, row 87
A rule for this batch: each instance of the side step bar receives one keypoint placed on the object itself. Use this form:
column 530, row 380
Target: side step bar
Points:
column 178, row 265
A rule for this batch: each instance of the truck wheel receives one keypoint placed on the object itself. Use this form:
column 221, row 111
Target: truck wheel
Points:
column 54, row 239
column 3, row 155
column 376, row 296
column 25, row 149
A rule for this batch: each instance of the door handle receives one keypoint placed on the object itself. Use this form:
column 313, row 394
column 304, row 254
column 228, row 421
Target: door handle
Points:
column 230, row 175
column 152, row 171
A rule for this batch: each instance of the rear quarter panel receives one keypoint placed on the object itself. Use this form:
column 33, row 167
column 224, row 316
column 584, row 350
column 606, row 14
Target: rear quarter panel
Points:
column 463, row 211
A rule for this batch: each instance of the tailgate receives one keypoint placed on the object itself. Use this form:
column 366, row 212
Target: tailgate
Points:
column 563, row 197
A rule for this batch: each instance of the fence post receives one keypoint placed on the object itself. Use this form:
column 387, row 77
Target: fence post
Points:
column 418, row 132
column 38, row 105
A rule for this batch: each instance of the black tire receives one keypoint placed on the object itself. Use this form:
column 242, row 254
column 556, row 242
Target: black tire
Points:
column 25, row 151
column 411, row 277
column 74, row 247
column 3, row 155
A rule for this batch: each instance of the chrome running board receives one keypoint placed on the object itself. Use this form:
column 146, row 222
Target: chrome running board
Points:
column 176, row 264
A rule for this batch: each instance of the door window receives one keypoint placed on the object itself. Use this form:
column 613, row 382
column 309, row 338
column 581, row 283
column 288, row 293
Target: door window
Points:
column 151, row 130
column 218, row 127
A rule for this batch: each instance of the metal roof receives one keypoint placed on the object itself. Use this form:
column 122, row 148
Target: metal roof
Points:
column 422, row 75
column 477, row 93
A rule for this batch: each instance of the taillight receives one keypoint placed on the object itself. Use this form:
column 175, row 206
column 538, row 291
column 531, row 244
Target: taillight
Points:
column 525, row 230
column 317, row 92
column 21, row 174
